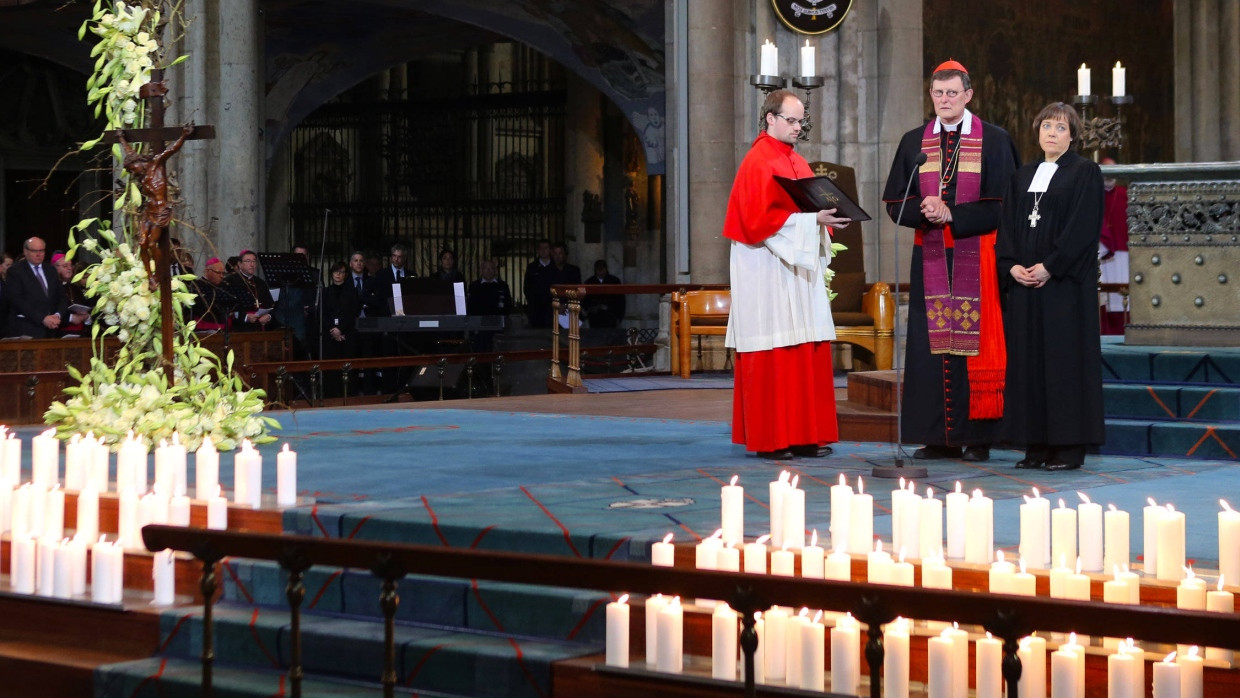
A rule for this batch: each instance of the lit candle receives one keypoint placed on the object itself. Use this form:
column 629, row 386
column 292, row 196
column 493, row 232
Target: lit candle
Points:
column 22, row 564
column 1167, row 678
column 901, row 573
column 178, row 511
column 732, row 497
column 6, row 507
column 794, row 516
column 1077, row 586
column 206, row 469
column 1115, row 591
column 755, row 555
column 217, row 510
column 935, row 574
column 989, row 659
column 45, row 566
column 286, row 477
column 1228, row 541
column 813, row 654
column 957, row 504
column 163, row 575
column 100, row 573
column 75, row 463
column 1134, row 584
column 706, row 554
column 729, row 559
column 861, row 520
column 77, row 565
column 1063, row 533
column 1220, row 601
column 846, row 656
column 1065, row 665
column 723, row 643
column 812, row 558
column 1120, row 677
column 896, row 659
column 1150, row 517
column 1075, row 646
column 127, row 520
column 1090, row 528
column 776, row 644
column 807, row 60
column 618, row 632
column 88, row 513
column 783, row 563
column 1035, row 529
column 792, row 650
column 38, row 507
column 1082, row 80
column 838, row 567
column 930, row 525
column 671, row 638
column 11, row 465
column 165, row 478
column 1138, row 667
column 878, row 565
column 654, row 604
column 1192, row 678
column 899, row 511
column 960, row 659
column 131, row 464
column 663, row 554
column 54, row 513
column 776, row 489
column 769, row 63
column 100, row 465
column 1118, row 82
column 939, row 681
column 1115, row 548
column 1023, row 583
column 1032, row 654
column 62, row 564
column 1171, row 543
column 1000, row 576
column 759, row 655
column 979, row 529
column 910, row 525
column 841, row 506
column 177, row 463
column 45, row 460
column 1059, row 578
column 248, row 475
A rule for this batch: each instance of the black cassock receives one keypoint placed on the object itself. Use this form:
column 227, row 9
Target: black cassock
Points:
column 1054, row 375
column 935, row 409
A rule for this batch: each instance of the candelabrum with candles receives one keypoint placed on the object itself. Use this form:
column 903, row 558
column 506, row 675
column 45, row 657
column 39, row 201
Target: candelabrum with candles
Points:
column 768, row 80
column 1101, row 131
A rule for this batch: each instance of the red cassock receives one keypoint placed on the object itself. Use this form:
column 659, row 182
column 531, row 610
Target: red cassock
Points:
column 780, row 324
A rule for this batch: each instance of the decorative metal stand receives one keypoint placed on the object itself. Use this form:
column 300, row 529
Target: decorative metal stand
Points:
column 1102, row 131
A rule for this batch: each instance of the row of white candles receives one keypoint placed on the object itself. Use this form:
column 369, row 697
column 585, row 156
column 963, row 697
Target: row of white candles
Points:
column 962, row 526
column 768, row 60
column 1119, row 78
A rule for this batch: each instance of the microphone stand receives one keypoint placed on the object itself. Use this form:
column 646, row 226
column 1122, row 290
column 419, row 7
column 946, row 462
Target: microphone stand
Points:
column 318, row 291
column 899, row 469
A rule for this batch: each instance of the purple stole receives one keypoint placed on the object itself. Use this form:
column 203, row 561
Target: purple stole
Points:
column 953, row 303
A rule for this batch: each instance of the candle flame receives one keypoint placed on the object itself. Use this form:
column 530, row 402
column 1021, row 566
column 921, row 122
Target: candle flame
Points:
column 912, row 486
column 1223, row 503
column 1169, row 658
column 1170, row 508
column 999, row 554
column 285, row 445
column 804, row 613
column 1022, row 565
column 1078, row 564
column 102, row 536
column 929, row 492
column 1193, row 651
column 795, row 480
column 675, row 600
column 763, row 539
column 843, row 482
column 958, row 487
column 622, row 599
column 1071, row 638
column 1061, row 504
column 1188, row 572
column 219, row 491
column 977, row 493
column 784, row 547
column 717, row 534
column 1025, row 642
column 878, row 545
column 902, row 554
column 1220, row 582
column 988, row 636
column 955, row 625
column 818, row 617
column 1036, row 493
column 1117, row 65
column 783, row 476
column 1112, row 506
column 667, row 539
column 176, row 439
column 1084, row 497
column 757, row 615
column 1027, row 498
column 732, row 483
column 163, row 443
column 860, row 486
column 813, row 539
column 901, row 483
column 1151, row 501
column 49, row 434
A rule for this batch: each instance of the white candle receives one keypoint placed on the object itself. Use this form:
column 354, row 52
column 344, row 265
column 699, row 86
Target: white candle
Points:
column 1134, row 584
column 838, row 567
column 1023, row 583
column 792, row 650
column 45, row 566
column 769, row 63
column 901, row 573
column 75, row 463
column 930, row 525
column 1167, row 678
column 841, row 507
column 812, row 558
column 177, row 464
column 618, row 632
column 729, row 559
column 22, row 564
column 1035, row 527
column 163, row 574
column 54, row 513
column 759, row 655
column 979, row 529
column 878, row 565
column 62, row 576
column 776, row 490
column 1074, row 645
column 1082, row 80
column 131, row 464
column 1000, row 575
column 1115, row 548
column 1063, row 533
column 6, row 507
column 846, row 656
column 1032, row 654
column 776, row 644
column 242, row 459
column 783, row 563
column 1120, row 677
column 896, row 659
column 813, row 654
column 1228, row 541
column 1118, row 80
column 1077, row 586
column 807, row 60
column 37, row 517
column 939, row 681
column 861, row 520
column 1059, row 578
column 1150, row 517
column 11, row 466
column 755, row 555
column 1192, row 674
column 77, row 564
column 286, row 477
column 1138, row 667
column 165, row 478
column 663, row 554
column 217, row 510
column 88, row 513
column 178, row 511
column 957, row 504
column 1090, row 532
column 960, row 659
column 206, row 469
column 100, row 465
column 988, row 654
column 1220, row 601
column 254, row 478
column 1116, row 590
column 671, row 638
column 723, row 643
column 794, row 516
column 910, row 525
column 1171, row 543
column 732, row 512
column 1065, row 666
column 127, row 520
column 45, row 460
column 900, row 498
column 935, row 574
column 706, row 553
column 654, row 604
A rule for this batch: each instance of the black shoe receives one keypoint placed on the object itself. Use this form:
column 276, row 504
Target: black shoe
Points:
column 936, row 452
column 811, row 451
column 976, row 454
column 1056, row 465
column 782, row 454
column 1030, row 464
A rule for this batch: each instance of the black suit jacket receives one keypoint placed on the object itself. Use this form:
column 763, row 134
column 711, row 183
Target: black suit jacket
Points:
column 367, row 297
column 29, row 304
column 251, row 294
column 382, row 304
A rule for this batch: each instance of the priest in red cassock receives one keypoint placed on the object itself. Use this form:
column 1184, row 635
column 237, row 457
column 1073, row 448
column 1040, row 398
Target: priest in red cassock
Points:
column 1113, row 251
column 955, row 354
column 780, row 324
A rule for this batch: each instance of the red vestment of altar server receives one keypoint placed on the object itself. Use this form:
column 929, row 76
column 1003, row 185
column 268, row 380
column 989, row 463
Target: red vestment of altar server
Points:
column 780, row 324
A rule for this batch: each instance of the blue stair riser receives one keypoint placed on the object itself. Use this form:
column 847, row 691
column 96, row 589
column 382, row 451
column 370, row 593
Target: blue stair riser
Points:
column 1179, row 439
column 1170, row 364
column 1162, row 402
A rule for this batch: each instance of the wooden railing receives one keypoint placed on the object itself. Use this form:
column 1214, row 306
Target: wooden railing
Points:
column 1007, row 617
column 569, row 297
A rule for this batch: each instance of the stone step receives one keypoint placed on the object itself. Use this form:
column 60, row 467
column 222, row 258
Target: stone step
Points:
column 1169, row 401
column 1202, row 440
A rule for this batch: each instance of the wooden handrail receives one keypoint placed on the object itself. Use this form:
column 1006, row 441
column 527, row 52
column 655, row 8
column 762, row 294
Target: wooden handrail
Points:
column 1005, row 616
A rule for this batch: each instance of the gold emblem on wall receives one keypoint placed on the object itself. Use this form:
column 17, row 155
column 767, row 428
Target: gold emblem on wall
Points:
column 811, row 16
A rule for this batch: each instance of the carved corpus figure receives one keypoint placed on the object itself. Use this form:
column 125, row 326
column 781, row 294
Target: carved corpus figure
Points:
column 152, row 177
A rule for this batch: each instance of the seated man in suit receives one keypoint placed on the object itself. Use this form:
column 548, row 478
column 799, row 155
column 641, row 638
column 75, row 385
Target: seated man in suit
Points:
column 601, row 309
column 253, row 295
column 37, row 305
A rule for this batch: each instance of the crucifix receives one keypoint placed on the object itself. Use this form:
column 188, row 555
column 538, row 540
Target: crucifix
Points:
column 149, row 169
column 1034, row 217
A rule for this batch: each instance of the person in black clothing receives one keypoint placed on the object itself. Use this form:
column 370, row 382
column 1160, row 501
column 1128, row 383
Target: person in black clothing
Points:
column 488, row 295
column 384, row 306
column 539, row 276
column 339, row 312
column 447, row 267
column 253, row 295
column 37, row 306
column 603, row 310
column 214, row 304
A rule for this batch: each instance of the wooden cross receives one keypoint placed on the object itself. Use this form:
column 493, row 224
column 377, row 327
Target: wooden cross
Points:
column 156, row 213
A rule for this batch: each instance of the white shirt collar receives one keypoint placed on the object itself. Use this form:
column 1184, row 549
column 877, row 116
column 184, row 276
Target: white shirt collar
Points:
column 966, row 124
column 1042, row 177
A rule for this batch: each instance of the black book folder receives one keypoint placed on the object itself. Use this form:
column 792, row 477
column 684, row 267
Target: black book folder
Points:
column 814, row 194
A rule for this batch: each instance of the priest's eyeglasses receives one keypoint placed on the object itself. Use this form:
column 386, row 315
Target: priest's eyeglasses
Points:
column 790, row 120
column 951, row 94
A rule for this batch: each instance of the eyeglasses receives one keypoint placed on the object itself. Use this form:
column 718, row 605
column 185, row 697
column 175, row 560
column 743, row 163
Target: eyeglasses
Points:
column 789, row 119
column 41, row 249
column 952, row 94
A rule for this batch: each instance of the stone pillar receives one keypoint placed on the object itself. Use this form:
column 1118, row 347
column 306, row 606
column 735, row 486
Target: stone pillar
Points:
column 1207, row 80
column 190, row 99
column 583, row 169
column 237, row 183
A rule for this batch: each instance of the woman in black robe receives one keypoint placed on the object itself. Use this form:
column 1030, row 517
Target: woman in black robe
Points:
column 1047, row 254
column 339, row 313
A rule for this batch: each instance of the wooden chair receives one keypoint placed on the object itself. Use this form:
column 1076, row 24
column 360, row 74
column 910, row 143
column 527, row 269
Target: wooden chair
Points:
column 696, row 313
column 865, row 317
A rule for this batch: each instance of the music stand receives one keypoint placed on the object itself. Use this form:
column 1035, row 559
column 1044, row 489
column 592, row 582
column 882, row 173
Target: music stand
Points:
column 289, row 270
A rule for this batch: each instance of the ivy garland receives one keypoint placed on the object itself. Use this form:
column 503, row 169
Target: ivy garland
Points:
column 132, row 393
